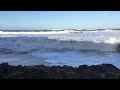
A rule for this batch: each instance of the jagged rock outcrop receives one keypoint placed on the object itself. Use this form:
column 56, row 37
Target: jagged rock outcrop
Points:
column 104, row 71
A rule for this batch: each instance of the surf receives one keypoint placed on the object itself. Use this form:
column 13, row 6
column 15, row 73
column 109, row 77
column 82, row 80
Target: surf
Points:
column 61, row 40
column 29, row 43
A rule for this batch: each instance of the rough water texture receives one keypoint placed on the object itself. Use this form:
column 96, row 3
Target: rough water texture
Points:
column 82, row 40
column 67, row 47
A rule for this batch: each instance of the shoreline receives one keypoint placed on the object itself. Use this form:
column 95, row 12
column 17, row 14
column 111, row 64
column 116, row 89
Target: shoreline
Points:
column 103, row 71
column 16, row 58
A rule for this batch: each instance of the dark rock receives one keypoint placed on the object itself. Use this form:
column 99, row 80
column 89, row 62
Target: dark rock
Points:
column 4, row 67
column 104, row 71
column 110, row 68
column 4, row 64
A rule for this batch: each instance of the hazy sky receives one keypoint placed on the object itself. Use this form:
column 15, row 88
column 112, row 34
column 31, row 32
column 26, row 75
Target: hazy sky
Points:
column 59, row 19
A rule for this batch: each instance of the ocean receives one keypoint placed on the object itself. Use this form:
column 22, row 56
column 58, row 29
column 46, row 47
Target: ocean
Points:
column 60, row 47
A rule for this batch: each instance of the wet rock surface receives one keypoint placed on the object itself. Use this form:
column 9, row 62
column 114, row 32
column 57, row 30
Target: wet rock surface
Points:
column 104, row 71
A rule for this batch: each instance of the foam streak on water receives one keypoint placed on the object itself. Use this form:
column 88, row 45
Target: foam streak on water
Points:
column 65, row 47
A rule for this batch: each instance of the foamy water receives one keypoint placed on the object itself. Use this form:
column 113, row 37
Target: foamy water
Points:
column 67, row 47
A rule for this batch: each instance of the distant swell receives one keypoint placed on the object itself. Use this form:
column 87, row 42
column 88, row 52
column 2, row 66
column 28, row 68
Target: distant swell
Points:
column 26, row 44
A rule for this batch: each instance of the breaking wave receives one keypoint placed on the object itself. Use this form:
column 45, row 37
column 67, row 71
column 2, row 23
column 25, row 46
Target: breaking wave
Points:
column 27, row 44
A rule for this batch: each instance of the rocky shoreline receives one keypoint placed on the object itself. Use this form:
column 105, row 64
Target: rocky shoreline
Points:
column 104, row 71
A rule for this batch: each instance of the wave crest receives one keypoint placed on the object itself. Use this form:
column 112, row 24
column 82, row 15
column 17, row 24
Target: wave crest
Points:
column 22, row 44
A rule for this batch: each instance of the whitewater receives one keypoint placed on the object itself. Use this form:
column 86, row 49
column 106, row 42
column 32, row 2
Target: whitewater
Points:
column 65, row 47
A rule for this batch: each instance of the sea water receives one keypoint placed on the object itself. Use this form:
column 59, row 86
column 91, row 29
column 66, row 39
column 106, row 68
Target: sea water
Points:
column 67, row 47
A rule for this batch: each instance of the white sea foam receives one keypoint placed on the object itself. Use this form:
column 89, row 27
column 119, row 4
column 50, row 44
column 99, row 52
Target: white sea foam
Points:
column 63, row 47
column 49, row 32
column 76, row 58
column 83, row 40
